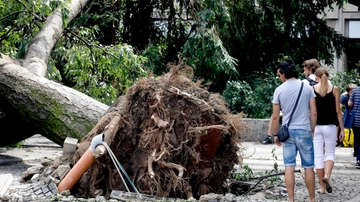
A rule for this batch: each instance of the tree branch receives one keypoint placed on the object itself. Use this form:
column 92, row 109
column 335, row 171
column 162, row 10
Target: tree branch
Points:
column 90, row 44
column 266, row 176
column 24, row 11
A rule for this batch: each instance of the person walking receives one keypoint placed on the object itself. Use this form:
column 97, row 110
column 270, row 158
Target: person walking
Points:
column 309, row 69
column 354, row 102
column 325, row 135
column 301, row 127
column 347, row 115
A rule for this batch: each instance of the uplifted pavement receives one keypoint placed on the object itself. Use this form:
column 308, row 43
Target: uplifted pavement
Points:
column 258, row 157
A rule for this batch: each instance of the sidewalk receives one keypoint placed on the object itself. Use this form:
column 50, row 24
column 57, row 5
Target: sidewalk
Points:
column 345, row 177
column 16, row 161
column 259, row 157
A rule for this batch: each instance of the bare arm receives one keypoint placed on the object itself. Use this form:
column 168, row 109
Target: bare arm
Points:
column 350, row 103
column 313, row 115
column 275, row 122
column 339, row 112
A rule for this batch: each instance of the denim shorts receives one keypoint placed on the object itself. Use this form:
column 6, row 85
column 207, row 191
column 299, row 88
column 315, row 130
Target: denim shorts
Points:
column 300, row 141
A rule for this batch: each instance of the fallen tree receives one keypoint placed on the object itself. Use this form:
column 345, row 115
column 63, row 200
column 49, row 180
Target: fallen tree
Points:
column 174, row 138
column 31, row 104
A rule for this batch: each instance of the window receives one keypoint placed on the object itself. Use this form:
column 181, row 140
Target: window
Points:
column 354, row 29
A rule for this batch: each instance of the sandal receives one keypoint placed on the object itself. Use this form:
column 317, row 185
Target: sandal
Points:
column 328, row 186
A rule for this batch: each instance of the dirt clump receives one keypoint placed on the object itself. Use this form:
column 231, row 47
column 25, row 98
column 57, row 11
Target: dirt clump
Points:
column 173, row 138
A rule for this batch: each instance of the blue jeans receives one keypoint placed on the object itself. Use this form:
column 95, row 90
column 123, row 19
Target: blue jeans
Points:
column 300, row 140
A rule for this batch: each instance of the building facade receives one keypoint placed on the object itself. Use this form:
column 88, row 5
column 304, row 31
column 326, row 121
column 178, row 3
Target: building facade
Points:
column 346, row 21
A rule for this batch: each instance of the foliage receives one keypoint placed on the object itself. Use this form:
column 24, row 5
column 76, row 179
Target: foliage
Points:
column 253, row 98
column 209, row 58
column 19, row 23
column 275, row 168
column 155, row 55
column 245, row 175
column 342, row 79
column 15, row 145
column 248, row 174
column 228, row 43
column 257, row 34
column 102, row 72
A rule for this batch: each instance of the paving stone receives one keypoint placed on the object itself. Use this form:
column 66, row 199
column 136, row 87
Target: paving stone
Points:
column 28, row 198
column 5, row 181
column 36, row 188
column 47, row 194
column 38, row 192
column 45, row 189
column 54, row 191
column 65, row 200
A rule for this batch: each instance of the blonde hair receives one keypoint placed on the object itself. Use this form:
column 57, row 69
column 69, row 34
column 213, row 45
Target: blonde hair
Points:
column 323, row 74
column 311, row 64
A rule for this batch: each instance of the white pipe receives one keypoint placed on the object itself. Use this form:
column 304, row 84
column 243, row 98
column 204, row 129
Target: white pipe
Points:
column 99, row 139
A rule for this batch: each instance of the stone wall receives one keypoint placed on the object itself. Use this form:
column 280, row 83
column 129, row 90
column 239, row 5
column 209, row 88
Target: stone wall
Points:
column 257, row 129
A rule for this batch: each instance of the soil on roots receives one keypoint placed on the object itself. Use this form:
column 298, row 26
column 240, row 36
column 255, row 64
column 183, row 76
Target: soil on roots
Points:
column 173, row 138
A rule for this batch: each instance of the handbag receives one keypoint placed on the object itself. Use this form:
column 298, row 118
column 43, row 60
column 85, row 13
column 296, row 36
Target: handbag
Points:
column 348, row 137
column 348, row 118
column 283, row 132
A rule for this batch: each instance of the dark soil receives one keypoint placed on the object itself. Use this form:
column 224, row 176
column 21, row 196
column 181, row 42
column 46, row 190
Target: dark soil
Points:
column 173, row 138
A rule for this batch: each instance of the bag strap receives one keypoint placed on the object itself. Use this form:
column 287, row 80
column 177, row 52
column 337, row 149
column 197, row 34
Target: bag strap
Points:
column 350, row 131
column 302, row 84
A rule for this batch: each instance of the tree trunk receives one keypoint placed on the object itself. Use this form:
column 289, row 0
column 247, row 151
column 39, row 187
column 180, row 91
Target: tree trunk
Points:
column 39, row 49
column 33, row 104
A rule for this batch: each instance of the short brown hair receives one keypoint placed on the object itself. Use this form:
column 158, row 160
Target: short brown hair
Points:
column 350, row 87
column 311, row 64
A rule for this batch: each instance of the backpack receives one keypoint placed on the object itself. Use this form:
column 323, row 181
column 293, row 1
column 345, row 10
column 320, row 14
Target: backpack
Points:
column 311, row 82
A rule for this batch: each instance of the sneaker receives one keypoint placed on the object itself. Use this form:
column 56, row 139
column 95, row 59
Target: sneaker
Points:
column 358, row 165
column 267, row 140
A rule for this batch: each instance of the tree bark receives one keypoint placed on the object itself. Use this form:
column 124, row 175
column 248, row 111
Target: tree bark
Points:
column 33, row 104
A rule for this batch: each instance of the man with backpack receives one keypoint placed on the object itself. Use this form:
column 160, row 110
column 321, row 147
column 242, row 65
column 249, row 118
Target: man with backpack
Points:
column 309, row 69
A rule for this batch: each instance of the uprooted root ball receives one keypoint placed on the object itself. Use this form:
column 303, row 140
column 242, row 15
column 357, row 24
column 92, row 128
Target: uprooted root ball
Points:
column 174, row 139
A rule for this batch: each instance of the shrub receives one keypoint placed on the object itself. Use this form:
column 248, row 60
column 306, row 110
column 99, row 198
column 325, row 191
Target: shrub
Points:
column 252, row 97
column 342, row 79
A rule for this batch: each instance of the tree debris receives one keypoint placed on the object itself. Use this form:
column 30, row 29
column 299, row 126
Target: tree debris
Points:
column 173, row 138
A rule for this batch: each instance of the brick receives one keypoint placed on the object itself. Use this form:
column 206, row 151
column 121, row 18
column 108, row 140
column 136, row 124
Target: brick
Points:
column 52, row 186
column 54, row 191
column 48, row 194
column 70, row 145
column 27, row 198
column 45, row 190
column 35, row 188
column 5, row 181
column 38, row 192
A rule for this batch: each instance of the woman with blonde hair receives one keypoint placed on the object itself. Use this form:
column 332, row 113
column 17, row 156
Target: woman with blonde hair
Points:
column 325, row 135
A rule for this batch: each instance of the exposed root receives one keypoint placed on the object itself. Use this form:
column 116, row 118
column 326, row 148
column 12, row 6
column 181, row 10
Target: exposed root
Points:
column 173, row 138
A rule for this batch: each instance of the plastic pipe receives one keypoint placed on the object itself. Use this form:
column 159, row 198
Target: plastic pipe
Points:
column 81, row 166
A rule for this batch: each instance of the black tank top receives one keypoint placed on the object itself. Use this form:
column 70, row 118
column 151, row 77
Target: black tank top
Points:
column 326, row 109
